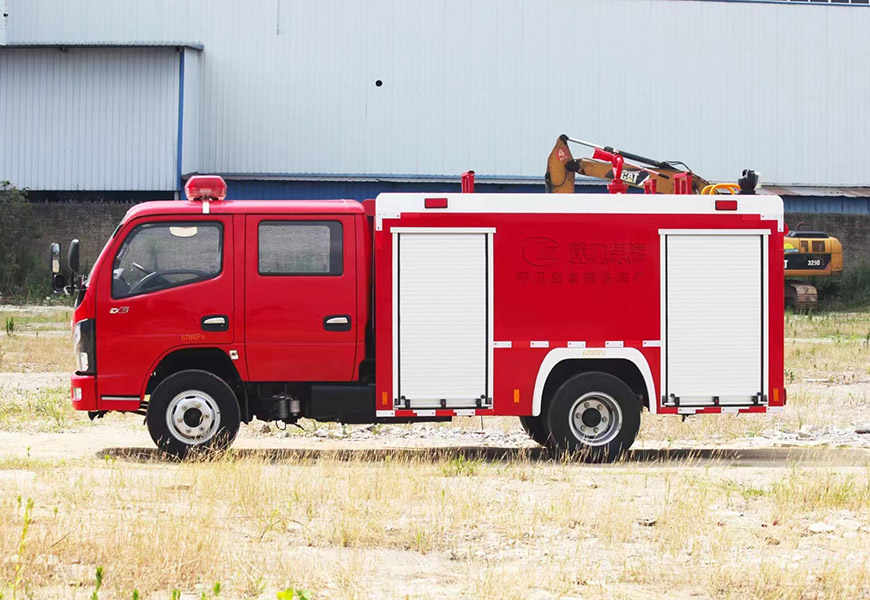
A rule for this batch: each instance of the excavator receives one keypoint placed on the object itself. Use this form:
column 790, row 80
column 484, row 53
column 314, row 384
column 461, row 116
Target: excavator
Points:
column 808, row 254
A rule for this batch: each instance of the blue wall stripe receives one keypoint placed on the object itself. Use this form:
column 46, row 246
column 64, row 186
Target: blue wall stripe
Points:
column 180, row 138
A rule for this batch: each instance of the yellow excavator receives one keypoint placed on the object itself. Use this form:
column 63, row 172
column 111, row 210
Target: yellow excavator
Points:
column 808, row 254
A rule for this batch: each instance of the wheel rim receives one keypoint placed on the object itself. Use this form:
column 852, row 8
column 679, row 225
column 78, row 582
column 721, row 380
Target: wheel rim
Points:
column 595, row 418
column 193, row 417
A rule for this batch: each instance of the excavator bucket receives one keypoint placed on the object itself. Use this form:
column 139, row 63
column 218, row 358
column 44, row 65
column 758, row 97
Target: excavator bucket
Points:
column 558, row 179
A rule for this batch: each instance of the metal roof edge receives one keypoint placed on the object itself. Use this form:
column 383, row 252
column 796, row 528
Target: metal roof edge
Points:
column 140, row 44
column 775, row 190
column 816, row 191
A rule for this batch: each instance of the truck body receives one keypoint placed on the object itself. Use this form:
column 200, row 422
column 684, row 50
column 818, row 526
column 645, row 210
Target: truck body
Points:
column 420, row 307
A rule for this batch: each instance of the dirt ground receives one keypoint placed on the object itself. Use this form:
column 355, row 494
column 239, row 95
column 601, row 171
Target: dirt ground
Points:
column 770, row 506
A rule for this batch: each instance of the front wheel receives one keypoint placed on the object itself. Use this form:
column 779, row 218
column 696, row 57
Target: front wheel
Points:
column 595, row 414
column 192, row 410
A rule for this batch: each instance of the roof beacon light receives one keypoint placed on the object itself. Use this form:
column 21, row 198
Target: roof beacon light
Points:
column 206, row 187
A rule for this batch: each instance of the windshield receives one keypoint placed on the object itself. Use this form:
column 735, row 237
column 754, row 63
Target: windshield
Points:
column 157, row 256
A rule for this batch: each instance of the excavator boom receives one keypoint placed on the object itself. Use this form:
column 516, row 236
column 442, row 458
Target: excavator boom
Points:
column 562, row 169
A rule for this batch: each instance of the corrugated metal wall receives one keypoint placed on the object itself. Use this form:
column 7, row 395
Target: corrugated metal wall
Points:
column 288, row 86
column 190, row 140
column 88, row 119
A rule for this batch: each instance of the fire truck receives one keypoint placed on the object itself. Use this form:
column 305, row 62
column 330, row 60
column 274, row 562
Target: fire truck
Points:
column 572, row 312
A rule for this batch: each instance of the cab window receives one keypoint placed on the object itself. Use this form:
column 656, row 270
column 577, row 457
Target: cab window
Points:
column 300, row 248
column 157, row 256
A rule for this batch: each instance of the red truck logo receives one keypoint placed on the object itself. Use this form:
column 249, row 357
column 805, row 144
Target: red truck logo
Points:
column 541, row 251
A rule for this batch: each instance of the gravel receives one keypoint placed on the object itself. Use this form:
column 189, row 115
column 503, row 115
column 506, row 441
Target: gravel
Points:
column 823, row 435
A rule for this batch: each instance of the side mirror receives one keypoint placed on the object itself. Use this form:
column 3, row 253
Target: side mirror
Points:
column 54, row 260
column 58, row 282
column 72, row 257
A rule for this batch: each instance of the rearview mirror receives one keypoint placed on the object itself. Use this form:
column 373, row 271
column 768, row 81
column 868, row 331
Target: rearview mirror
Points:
column 72, row 257
column 54, row 260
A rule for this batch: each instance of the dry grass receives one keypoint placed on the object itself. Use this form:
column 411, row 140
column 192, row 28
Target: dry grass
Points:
column 41, row 409
column 416, row 528
column 851, row 325
column 35, row 339
column 34, row 353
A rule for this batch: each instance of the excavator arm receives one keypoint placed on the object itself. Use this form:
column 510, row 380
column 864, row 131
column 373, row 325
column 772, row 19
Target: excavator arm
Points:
column 562, row 169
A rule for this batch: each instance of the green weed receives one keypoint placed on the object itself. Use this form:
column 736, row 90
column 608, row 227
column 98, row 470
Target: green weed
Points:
column 98, row 576
column 293, row 594
column 18, row 579
column 460, row 466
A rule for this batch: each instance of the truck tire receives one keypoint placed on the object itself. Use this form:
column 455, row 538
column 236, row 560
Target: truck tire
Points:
column 594, row 414
column 190, row 410
column 535, row 428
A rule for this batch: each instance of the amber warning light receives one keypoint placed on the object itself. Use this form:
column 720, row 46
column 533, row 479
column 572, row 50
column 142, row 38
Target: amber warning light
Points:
column 205, row 187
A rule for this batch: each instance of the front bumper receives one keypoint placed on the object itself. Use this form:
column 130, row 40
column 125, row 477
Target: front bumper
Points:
column 83, row 391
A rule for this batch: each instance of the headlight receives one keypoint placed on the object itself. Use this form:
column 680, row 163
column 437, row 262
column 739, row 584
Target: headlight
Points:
column 84, row 347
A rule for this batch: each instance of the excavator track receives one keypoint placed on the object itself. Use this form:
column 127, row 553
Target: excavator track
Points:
column 801, row 295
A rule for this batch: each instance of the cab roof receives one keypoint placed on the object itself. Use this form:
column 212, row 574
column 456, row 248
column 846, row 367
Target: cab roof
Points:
column 224, row 207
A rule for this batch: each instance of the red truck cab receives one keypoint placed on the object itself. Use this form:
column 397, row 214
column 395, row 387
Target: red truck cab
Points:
column 216, row 293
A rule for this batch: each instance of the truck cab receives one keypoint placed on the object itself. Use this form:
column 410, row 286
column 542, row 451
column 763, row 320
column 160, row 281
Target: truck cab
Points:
column 211, row 293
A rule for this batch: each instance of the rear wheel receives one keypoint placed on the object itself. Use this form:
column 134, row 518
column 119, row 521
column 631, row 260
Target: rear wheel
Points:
column 192, row 410
column 596, row 414
column 535, row 428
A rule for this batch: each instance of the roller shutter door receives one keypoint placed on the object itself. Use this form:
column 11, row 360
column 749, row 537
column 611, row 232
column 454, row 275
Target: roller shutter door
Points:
column 443, row 331
column 715, row 315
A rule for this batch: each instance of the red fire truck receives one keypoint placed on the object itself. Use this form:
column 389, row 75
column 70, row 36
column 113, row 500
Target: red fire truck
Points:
column 572, row 312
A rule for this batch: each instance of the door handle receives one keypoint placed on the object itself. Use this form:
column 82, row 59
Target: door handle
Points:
column 215, row 323
column 336, row 323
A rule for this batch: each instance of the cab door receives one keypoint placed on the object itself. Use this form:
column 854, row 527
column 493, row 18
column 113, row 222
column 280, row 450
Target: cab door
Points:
column 300, row 298
column 170, row 286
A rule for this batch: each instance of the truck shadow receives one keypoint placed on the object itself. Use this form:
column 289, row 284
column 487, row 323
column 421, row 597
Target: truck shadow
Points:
column 748, row 457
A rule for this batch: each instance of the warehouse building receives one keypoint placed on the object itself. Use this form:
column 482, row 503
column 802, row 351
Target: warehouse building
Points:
column 124, row 99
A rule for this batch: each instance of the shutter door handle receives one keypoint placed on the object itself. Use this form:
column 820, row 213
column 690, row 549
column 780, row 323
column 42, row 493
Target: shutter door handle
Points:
column 336, row 323
column 215, row 323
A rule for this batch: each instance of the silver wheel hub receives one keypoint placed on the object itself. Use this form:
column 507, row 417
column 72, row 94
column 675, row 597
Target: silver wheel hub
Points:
column 595, row 418
column 193, row 417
